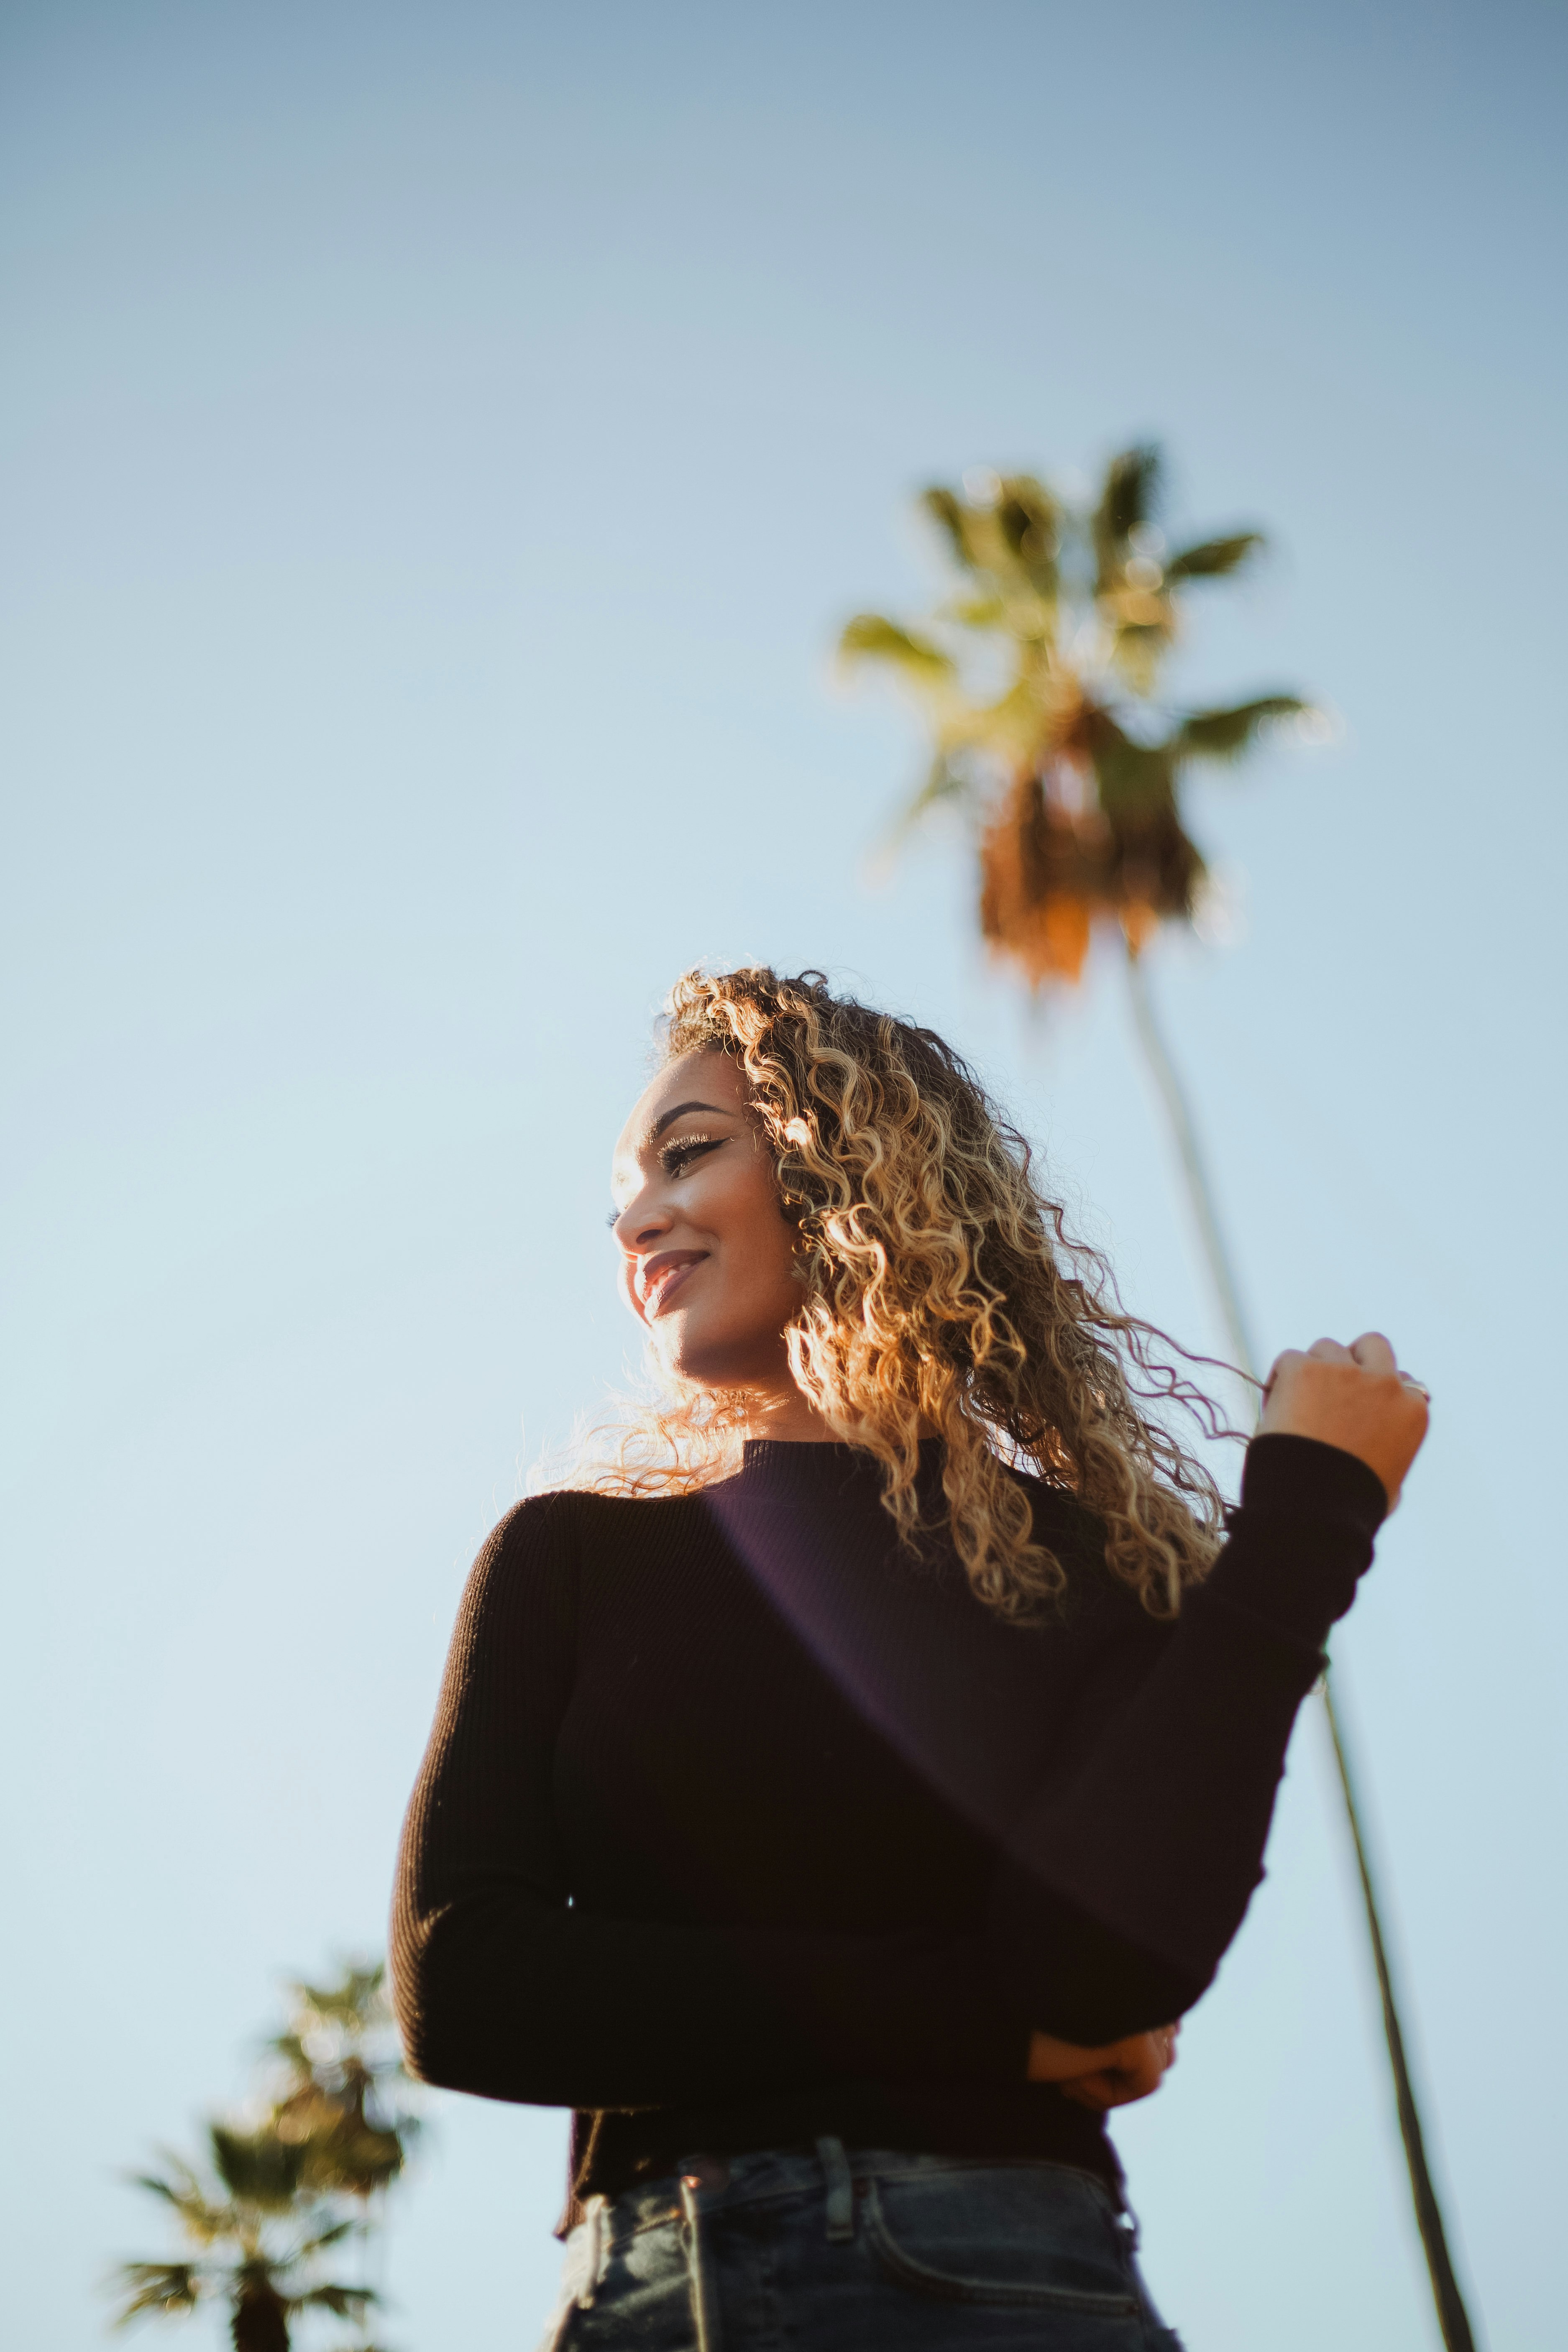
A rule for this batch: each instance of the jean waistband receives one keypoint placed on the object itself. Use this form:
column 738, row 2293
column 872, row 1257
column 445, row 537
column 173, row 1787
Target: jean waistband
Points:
column 717, row 2183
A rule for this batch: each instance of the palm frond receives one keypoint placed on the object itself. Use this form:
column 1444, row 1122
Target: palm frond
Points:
column 325, row 2238
column 1128, row 499
column 352, row 2158
column 1132, row 777
column 176, row 2191
column 355, row 1997
column 953, row 519
column 202, row 2217
column 259, row 2167
column 976, row 612
column 1228, row 734
column 1028, row 521
column 342, row 2014
column 346, row 2301
column 1211, row 559
column 1128, row 775
column 945, row 781
column 1138, row 646
column 869, row 636
column 167, row 2287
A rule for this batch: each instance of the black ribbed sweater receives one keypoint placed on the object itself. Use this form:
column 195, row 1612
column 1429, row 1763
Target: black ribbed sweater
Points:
column 739, row 1825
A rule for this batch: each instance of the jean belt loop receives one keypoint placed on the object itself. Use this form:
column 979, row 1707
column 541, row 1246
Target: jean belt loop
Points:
column 840, row 2190
column 699, row 2278
column 594, row 2252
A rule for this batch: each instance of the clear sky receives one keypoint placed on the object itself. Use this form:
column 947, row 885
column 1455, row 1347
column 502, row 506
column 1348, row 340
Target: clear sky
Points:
column 439, row 446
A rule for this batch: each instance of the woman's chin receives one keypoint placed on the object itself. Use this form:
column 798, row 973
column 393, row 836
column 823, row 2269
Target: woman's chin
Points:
column 680, row 1352
column 707, row 1360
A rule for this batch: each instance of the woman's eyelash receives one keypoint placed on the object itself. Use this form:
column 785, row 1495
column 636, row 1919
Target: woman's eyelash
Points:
column 671, row 1159
column 690, row 1147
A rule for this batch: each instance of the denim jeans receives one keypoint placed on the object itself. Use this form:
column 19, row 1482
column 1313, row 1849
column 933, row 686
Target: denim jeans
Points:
column 865, row 2252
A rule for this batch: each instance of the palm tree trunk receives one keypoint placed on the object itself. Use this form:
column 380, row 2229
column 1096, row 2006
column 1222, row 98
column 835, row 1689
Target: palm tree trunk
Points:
column 1452, row 2317
column 259, row 2320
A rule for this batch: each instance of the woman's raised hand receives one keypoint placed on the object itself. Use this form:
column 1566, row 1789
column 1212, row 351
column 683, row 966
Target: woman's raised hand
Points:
column 1356, row 1398
column 1110, row 2077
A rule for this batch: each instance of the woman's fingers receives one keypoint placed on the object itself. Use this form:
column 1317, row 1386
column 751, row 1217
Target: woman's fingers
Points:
column 1321, row 1351
column 1355, row 1398
column 1283, row 1362
column 1051, row 2060
column 1134, row 2068
column 1096, row 2092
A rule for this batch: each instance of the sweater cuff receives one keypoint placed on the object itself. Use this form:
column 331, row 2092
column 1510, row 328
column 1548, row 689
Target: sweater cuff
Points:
column 1312, row 1481
column 1299, row 1539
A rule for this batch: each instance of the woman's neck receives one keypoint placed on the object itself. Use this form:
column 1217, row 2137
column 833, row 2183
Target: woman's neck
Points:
column 787, row 1418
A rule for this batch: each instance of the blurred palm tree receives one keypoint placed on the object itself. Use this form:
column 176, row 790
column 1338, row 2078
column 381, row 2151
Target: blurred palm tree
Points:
column 1040, row 680
column 257, row 2236
column 272, row 2202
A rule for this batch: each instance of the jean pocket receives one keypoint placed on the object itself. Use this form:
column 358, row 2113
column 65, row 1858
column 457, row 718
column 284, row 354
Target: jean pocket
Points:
column 1030, row 2237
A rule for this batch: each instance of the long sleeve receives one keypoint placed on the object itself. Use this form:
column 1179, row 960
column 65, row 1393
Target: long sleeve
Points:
column 725, row 1799
column 505, row 1986
column 1126, row 1880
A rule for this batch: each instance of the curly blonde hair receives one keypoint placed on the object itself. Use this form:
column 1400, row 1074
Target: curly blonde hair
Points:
column 942, row 1292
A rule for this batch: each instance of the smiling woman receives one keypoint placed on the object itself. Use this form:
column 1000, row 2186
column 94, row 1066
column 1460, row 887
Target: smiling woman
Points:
column 841, row 1788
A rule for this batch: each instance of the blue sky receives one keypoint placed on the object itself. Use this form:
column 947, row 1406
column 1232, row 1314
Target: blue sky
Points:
column 439, row 449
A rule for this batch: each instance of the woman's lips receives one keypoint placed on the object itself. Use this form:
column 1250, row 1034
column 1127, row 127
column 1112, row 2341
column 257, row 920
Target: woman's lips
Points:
column 668, row 1278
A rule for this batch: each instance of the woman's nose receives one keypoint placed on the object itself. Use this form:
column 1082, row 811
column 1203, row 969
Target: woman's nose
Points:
column 641, row 1221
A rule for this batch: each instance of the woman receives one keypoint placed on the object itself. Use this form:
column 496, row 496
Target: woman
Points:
column 837, row 1795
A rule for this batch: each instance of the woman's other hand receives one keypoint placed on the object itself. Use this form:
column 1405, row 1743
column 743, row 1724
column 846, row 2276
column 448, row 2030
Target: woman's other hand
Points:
column 1356, row 1397
column 1109, row 2077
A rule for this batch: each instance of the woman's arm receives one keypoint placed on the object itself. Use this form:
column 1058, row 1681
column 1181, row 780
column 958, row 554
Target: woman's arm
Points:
column 504, row 1988
column 1126, row 1881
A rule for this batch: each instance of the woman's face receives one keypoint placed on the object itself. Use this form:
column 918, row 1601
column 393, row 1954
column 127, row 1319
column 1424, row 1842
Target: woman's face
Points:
column 707, row 1254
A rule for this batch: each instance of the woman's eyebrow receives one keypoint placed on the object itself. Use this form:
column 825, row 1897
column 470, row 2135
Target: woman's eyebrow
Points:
column 656, row 1129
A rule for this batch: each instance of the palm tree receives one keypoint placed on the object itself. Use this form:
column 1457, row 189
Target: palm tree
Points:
column 258, row 2234
column 1039, row 678
column 275, row 2199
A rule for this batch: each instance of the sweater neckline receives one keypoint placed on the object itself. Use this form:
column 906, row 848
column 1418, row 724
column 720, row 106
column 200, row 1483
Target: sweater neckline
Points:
column 815, row 1462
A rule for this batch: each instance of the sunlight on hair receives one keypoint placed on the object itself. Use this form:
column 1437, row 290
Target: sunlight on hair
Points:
column 940, row 1288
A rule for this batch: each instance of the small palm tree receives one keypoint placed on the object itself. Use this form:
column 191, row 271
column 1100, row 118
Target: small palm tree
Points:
column 258, row 2236
column 274, row 2200
column 1040, row 680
